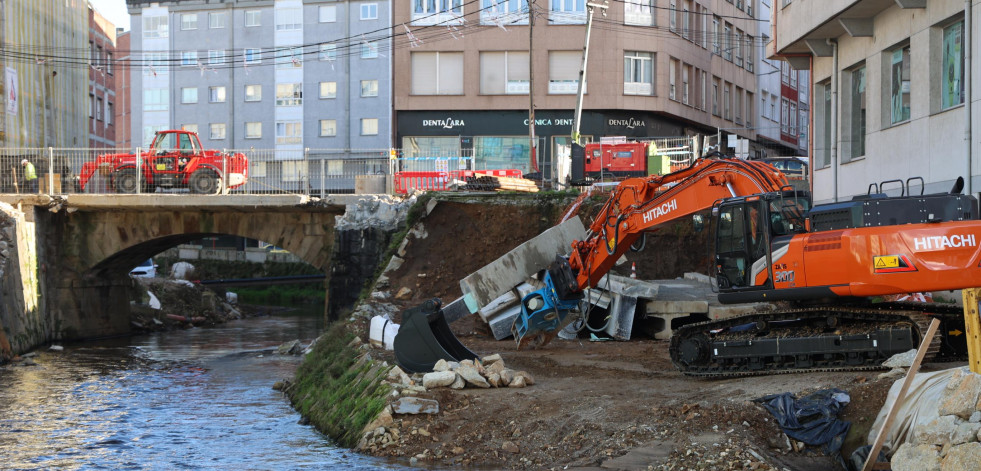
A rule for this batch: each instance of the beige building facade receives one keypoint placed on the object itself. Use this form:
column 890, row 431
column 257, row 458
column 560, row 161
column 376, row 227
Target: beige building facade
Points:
column 891, row 88
column 655, row 69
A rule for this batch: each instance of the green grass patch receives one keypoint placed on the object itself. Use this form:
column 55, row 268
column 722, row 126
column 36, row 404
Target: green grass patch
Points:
column 338, row 393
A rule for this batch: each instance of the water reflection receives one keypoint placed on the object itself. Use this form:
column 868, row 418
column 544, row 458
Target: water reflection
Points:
column 194, row 399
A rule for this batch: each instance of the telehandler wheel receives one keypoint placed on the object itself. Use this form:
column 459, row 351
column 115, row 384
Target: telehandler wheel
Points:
column 204, row 182
column 125, row 181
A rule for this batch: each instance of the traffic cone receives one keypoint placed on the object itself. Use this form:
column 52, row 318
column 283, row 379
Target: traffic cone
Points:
column 633, row 270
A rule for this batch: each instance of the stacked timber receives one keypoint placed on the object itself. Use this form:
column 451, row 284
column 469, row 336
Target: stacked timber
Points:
column 492, row 183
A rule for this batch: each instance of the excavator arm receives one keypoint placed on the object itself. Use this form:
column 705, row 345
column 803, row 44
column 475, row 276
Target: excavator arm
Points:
column 635, row 206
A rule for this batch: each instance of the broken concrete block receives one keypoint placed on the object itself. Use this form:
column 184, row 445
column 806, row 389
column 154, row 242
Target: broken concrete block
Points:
column 964, row 457
column 960, row 397
column 473, row 377
column 415, row 405
column 937, row 432
column 438, row 379
column 916, row 458
column 901, row 360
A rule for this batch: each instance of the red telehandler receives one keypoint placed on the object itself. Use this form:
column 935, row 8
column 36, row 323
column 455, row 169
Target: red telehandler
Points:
column 827, row 263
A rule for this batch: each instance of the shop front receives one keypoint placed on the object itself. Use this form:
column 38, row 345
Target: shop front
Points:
column 499, row 139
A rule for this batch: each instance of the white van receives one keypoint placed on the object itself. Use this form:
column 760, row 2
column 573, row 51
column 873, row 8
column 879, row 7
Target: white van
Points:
column 146, row 269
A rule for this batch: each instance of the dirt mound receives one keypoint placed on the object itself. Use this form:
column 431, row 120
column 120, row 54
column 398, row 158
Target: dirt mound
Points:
column 181, row 304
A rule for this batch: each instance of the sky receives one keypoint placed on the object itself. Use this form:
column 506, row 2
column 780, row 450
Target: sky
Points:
column 114, row 11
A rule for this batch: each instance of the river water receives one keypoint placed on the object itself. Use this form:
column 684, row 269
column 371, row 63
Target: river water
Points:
column 192, row 399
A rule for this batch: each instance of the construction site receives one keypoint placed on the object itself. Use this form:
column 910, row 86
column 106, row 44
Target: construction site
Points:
column 709, row 318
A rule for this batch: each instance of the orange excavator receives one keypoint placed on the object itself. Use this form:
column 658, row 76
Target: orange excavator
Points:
column 828, row 263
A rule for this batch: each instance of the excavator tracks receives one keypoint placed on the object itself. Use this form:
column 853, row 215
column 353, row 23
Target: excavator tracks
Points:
column 815, row 339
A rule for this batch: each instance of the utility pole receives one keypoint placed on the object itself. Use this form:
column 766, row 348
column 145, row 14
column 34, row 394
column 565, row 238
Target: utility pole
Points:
column 532, row 147
column 582, row 70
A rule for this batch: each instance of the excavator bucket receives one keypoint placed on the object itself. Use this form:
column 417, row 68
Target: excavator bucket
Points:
column 425, row 338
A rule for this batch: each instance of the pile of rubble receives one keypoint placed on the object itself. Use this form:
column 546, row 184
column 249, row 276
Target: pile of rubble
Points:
column 489, row 372
column 951, row 441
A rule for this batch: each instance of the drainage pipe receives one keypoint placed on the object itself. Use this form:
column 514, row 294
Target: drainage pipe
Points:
column 834, row 117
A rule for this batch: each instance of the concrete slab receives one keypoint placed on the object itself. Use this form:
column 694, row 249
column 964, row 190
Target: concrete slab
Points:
column 500, row 276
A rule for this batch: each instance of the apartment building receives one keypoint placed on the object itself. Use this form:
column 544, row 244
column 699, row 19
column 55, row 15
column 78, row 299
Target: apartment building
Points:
column 463, row 85
column 286, row 75
column 783, row 92
column 102, row 82
column 122, row 75
column 890, row 90
column 44, row 96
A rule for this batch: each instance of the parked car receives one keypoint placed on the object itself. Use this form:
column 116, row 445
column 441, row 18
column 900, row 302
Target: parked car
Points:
column 795, row 168
column 146, row 269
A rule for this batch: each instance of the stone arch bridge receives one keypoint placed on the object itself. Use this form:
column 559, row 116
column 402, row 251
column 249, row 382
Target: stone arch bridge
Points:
column 86, row 245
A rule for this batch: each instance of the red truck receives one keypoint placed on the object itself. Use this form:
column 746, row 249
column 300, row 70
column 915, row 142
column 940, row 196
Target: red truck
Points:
column 175, row 159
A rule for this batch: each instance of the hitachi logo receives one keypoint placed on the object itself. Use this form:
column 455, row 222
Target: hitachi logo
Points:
column 661, row 210
column 943, row 242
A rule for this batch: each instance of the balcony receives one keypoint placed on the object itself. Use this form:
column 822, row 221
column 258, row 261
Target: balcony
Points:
column 803, row 26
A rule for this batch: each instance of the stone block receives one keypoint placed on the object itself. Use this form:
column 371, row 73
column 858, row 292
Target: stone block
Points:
column 960, row 397
column 473, row 377
column 964, row 433
column 966, row 457
column 901, row 360
column 438, row 379
column 415, row 405
column 916, row 458
column 938, row 432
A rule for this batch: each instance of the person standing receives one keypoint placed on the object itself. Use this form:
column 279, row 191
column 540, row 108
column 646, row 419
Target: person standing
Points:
column 30, row 176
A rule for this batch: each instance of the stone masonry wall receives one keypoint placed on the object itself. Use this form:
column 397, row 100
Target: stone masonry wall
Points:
column 22, row 326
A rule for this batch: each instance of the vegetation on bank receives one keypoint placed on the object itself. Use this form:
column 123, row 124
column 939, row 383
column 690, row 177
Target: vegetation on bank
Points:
column 338, row 392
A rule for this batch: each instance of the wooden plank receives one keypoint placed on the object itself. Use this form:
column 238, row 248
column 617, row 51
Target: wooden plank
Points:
column 880, row 438
column 972, row 325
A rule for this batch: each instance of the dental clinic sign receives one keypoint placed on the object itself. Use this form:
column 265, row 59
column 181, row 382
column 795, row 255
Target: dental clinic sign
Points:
column 445, row 123
column 630, row 123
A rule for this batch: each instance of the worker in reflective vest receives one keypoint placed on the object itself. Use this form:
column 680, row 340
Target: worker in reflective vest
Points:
column 30, row 176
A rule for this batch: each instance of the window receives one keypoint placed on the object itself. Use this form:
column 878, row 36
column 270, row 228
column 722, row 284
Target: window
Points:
column 802, row 134
column 253, row 93
column 328, row 52
column 673, row 15
column 704, row 90
column 784, row 116
column 857, row 98
column 253, row 55
column 715, row 35
column 738, row 46
column 500, row 152
column 328, row 127
column 504, row 73
column 155, row 99
column 739, row 105
column 952, row 73
column 189, row 95
column 369, row 126
column 685, row 18
column 190, row 127
column 563, row 72
column 899, row 90
column 289, row 94
column 290, row 58
column 328, row 13
column 156, row 63
column 328, row 89
column 189, row 21
column 763, row 108
column 108, row 62
column 639, row 12
column 369, row 50
column 110, row 110
column 773, row 107
column 727, row 45
column 504, row 12
column 216, row 20
column 802, row 86
column 189, row 58
column 793, row 119
column 369, row 11
column 672, row 79
column 217, row 131
column 154, row 27
column 369, row 88
column 98, row 109
column 289, row 132
column 784, row 73
column 437, row 73
column 289, row 19
column 726, row 101
column 793, row 78
column 638, row 73
column 749, row 110
column 253, row 130
column 253, row 18
column 216, row 57
column 441, row 12
column 150, row 131
column 567, row 12
column 216, row 94
column 684, row 83
column 715, row 96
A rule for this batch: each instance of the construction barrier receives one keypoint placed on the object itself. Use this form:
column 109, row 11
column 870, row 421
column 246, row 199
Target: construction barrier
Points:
column 406, row 182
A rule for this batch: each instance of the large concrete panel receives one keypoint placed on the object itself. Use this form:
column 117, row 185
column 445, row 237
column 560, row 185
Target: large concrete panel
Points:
column 511, row 269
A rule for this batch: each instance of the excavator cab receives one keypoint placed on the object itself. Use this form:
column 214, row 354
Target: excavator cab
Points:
column 749, row 229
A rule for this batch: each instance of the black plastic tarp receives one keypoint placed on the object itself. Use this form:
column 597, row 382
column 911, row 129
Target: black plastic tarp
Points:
column 812, row 419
